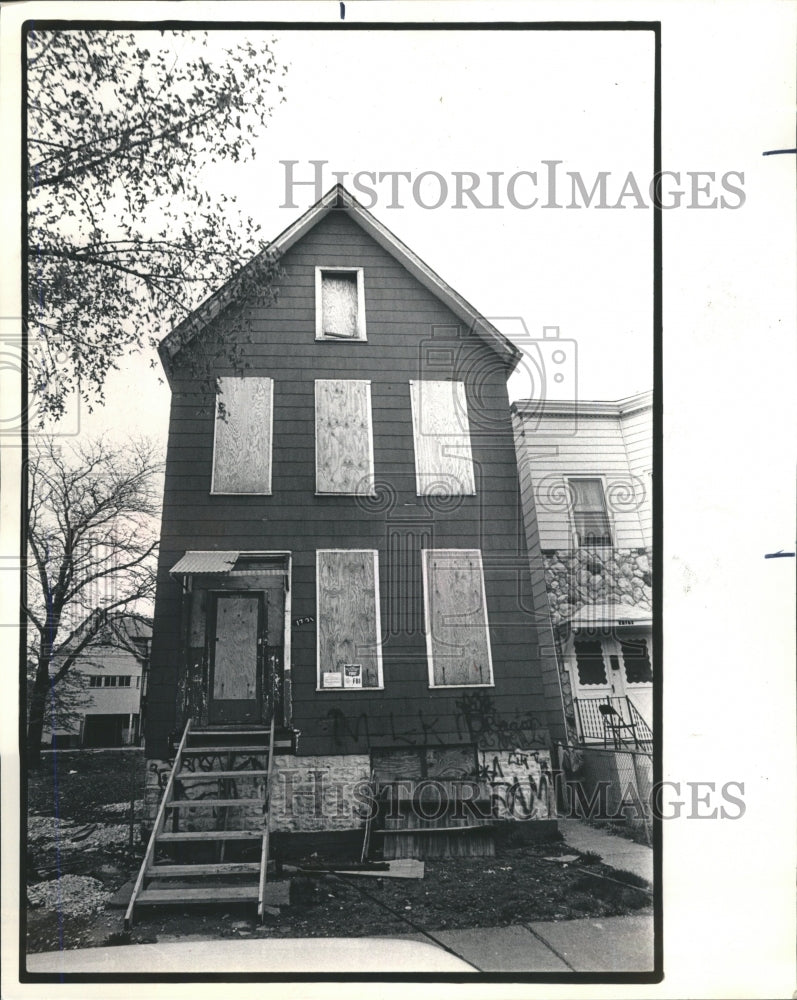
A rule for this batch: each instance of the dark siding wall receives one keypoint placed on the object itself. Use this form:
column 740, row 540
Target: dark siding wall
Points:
column 411, row 335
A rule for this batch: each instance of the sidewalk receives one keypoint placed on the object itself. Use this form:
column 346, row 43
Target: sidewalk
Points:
column 608, row 944
column 619, row 852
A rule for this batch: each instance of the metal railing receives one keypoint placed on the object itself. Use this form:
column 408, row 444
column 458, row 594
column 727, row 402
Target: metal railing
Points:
column 614, row 720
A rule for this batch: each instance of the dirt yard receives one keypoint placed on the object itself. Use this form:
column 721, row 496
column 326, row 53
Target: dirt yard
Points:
column 79, row 854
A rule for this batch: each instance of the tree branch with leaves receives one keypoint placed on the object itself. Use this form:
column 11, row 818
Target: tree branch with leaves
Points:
column 124, row 239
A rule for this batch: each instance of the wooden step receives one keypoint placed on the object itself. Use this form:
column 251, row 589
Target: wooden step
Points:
column 227, row 734
column 208, row 803
column 207, row 894
column 224, row 868
column 232, row 748
column 204, row 775
column 172, row 838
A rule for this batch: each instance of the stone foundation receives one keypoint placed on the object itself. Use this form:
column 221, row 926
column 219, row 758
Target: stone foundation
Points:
column 330, row 793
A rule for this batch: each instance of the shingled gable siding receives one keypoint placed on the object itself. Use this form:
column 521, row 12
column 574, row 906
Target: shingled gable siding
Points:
column 406, row 326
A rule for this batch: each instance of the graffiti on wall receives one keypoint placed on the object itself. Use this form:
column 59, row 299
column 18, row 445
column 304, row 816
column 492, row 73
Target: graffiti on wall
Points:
column 520, row 782
column 476, row 720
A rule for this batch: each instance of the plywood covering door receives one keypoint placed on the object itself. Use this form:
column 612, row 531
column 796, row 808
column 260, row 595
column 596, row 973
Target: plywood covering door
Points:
column 236, row 640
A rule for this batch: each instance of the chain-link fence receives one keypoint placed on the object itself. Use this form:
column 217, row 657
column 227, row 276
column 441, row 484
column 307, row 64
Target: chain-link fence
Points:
column 607, row 785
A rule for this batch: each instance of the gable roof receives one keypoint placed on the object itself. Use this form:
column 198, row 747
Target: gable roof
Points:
column 337, row 199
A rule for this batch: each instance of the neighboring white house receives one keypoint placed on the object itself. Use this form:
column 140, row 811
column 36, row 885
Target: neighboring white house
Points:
column 586, row 468
column 113, row 683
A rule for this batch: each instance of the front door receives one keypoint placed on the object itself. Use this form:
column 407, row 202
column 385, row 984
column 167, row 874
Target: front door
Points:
column 607, row 668
column 238, row 625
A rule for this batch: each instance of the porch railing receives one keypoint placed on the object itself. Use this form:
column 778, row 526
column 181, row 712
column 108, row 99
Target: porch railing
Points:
column 614, row 721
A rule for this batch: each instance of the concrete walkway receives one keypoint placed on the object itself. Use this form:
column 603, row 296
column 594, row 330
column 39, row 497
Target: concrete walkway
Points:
column 619, row 852
column 606, row 944
column 601, row 944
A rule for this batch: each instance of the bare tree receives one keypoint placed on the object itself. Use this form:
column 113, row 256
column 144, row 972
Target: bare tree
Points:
column 124, row 239
column 92, row 537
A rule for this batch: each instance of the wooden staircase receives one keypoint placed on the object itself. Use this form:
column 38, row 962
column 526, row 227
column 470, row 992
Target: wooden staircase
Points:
column 220, row 785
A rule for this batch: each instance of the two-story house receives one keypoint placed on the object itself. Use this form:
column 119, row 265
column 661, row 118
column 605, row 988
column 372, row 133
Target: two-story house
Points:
column 585, row 470
column 111, row 682
column 342, row 548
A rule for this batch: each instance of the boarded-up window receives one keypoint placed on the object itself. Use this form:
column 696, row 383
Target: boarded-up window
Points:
column 443, row 460
column 589, row 512
column 344, row 460
column 347, row 620
column 242, row 444
column 340, row 310
column 455, row 606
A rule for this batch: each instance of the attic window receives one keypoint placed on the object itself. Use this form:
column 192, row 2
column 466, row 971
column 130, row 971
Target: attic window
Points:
column 340, row 303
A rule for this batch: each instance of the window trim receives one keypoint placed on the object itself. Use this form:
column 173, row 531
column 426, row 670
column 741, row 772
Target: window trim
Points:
column 370, row 413
column 224, row 493
column 463, row 400
column 571, row 512
column 377, row 602
column 322, row 269
column 427, row 622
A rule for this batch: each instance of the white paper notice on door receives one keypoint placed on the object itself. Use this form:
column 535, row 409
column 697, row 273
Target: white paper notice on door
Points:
column 332, row 678
column 352, row 675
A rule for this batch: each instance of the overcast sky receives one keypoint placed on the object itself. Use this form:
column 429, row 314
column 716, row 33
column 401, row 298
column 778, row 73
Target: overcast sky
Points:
column 477, row 101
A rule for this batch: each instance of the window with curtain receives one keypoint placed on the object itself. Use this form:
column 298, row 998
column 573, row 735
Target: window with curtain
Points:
column 637, row 661
column 589, row 662
column 590, row 518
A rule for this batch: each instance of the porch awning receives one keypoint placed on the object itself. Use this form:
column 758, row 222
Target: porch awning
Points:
column 617, row 615
column 216, row 562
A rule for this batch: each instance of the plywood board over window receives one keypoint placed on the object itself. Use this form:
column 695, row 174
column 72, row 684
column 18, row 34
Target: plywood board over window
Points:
column 340, row 303
column 347, row 620
column 443, row 458
column 456, row 625
column 243, row 433
column 344, row 451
